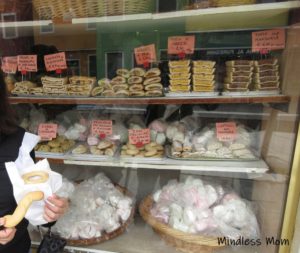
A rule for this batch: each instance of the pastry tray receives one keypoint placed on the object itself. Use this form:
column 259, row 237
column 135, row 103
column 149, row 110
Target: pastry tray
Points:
column 143, row 160
column 192, row 94
column 169, row 155
column 251, row 93
column 52, row 96
column 89, row 156
column 40, row 154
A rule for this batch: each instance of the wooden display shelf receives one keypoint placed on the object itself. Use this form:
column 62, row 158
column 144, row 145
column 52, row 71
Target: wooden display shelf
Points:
column 152, row 101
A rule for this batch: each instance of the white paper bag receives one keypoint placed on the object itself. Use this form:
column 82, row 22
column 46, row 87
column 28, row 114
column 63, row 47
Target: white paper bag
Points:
column 25, row 164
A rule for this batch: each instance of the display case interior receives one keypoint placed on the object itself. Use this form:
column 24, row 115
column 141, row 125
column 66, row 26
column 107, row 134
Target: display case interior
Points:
column 177, row 121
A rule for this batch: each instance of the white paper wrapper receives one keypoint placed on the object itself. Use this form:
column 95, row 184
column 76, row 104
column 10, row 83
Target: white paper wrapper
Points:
column 25, row 164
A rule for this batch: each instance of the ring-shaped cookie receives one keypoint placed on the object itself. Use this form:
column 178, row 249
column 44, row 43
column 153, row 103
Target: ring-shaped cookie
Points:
column 35, row 177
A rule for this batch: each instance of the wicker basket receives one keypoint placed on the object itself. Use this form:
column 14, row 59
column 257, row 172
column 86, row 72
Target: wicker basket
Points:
column 57, row 9
column 223, row 3
column 107, row 236
column 188, row 243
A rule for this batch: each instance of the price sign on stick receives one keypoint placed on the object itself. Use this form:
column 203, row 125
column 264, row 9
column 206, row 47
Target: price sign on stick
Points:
column 145, row 55
column 181, row 45
column 47, row 131
column 27, row 63
column 55, row 62
column 102, row 127
column 226, row 131
column 9, row 64
column 268, row 40
column 139, row 136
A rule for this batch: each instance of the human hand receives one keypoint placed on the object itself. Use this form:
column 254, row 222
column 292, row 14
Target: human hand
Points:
column 7, row 234
column 55, row 207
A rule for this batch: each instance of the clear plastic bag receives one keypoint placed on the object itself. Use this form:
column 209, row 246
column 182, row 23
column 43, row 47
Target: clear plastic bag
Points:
column 199, row 207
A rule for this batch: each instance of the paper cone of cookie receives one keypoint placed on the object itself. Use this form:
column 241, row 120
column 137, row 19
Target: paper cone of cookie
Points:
column 29, row 177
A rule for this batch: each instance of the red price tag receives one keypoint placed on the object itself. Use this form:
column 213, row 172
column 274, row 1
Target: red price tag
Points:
column 145, row 54
column 47, row 131
column 27, row 63
column 102, row 128
column 139, row 136
column 268, row 40
column 226, row 131
column 146, row 65
column 58, row 71
column 181, row 44
column 9, row 64
column 263, row 51
column 55, row 62
column 181, row 55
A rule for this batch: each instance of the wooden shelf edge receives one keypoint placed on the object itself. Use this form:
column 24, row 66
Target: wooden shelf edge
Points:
column 152, row 101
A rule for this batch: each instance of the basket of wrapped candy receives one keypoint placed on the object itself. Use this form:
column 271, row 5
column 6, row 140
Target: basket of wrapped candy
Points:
column 99, row 211
column 194, row 216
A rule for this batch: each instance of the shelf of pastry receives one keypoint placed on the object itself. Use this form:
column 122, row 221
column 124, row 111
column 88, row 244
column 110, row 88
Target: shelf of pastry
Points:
column 252, row 16
column 152, row 100
column 248, row 167
column 139, row 236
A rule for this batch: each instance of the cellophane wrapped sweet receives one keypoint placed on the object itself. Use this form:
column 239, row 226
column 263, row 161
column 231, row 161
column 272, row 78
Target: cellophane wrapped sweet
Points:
column 197, row 207
column 97, row 207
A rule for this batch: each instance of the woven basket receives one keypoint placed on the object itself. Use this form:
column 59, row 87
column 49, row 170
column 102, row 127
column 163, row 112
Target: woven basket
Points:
column 107, row 236
column 188, row 243
column 57, row 9
column 223, row 3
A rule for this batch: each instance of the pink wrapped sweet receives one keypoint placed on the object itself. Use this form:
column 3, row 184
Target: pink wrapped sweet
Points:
column 92, row 140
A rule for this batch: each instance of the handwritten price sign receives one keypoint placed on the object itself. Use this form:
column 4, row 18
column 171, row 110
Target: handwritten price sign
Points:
column 268, row 40
column 27, row 63
column 9, row 64
column 47, row 131
column 102, row 127
column 145, row 54
column 55, row 62
column 139, row 136
column 226, row 131
column 181, row 44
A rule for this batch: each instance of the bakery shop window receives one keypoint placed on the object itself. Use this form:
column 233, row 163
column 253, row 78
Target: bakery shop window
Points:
column 92, row 65
column 113, row 61
column 9, row 25
column 90, row 26
column 73, row 67
column 45, row 29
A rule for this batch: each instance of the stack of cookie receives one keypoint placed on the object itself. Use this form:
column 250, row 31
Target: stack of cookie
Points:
column 152, row 83
column 266, row 74
column 180, row 76
column 238, row 75
column 23, row 87
column 57, row 145
column 204, row 76
column 135, row 82
column 152, row 149
column 54, row 86
column 105, row 147
column 38, row 91
column 81, row 85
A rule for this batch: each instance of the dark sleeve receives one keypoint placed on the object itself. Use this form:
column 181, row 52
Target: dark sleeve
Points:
column 32, row 154
column 48, row 225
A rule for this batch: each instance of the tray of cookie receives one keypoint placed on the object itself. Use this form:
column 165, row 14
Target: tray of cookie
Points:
column 147, row 153
column 94, row 150
column 136, row 82
column 54, row 148
column 205, row 145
